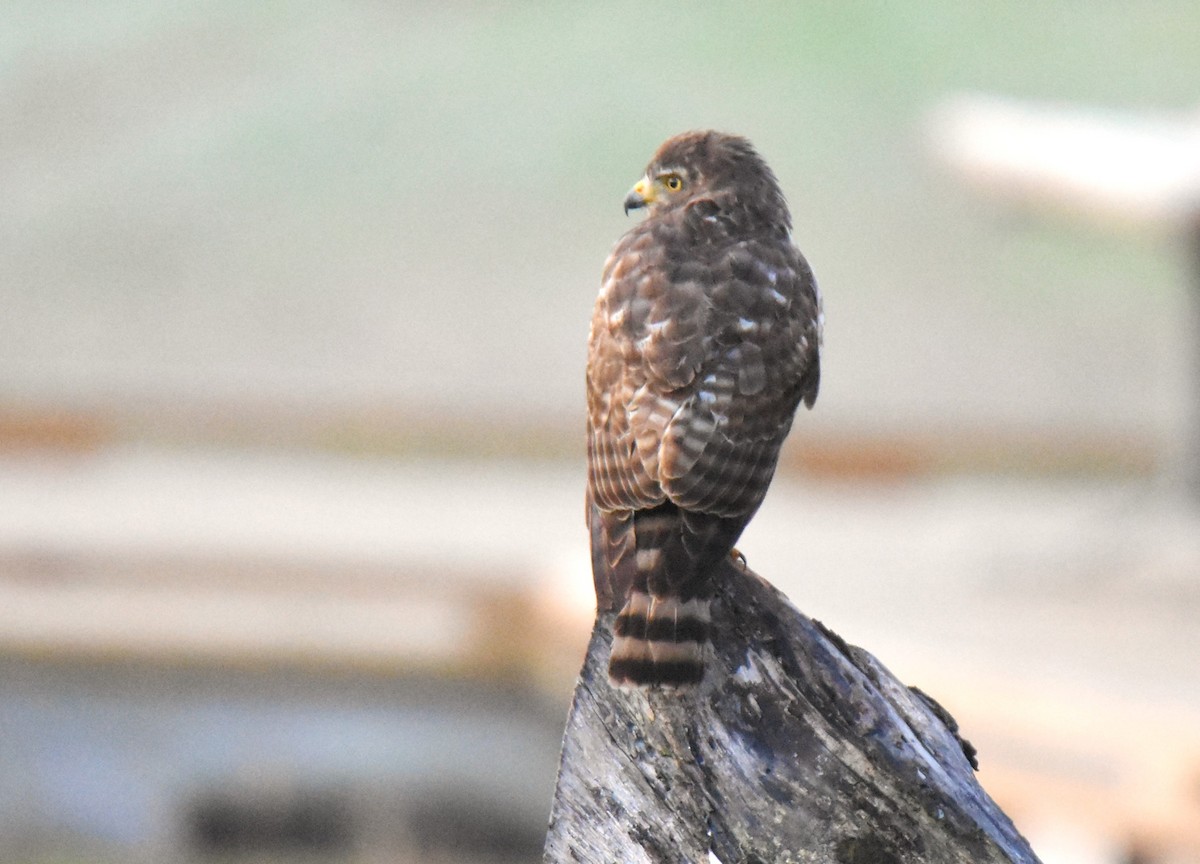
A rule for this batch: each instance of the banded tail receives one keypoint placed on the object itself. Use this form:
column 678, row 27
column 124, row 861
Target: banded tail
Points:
column 659, row 641
column 657, row 568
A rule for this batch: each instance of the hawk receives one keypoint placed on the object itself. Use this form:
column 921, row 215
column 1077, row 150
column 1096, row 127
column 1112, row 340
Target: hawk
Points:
column 704, row 340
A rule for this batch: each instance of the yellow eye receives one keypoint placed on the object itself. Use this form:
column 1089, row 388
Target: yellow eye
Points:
column 673, row 182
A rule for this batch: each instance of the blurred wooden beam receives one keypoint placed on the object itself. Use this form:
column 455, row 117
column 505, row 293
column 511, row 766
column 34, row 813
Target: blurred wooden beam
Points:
column 1131, row 170
column 841, row 452
column 29, row 428
column 1134, row 171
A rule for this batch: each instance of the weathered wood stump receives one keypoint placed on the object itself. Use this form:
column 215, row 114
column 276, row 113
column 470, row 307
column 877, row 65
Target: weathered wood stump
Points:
column 797, row 748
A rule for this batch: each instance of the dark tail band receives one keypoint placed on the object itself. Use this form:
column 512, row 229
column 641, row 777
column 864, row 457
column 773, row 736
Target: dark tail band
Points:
column 659, row 642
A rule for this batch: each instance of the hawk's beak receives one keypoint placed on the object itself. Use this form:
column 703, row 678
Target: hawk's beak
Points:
column 639, row 196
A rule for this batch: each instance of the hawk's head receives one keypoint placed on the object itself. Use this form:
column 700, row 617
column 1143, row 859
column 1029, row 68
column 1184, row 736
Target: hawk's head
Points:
column 722, row 169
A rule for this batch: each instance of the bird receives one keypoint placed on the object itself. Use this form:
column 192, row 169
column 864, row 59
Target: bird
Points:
column 704, row 340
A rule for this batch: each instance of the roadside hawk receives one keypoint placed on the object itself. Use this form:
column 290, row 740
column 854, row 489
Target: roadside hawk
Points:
column 704, row 340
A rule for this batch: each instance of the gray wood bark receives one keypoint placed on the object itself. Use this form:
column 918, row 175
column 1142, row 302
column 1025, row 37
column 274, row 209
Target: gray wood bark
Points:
column 797, row 748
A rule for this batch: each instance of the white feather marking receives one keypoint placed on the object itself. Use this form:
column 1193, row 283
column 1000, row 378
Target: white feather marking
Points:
column 663, row 411
column 768, row 271
column 630, row 648
column 647, row 559
column 670, row 652
column 639, row 602
column 671, row 607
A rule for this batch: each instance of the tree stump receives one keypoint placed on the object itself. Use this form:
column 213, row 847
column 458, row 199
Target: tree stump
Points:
column 796, row 748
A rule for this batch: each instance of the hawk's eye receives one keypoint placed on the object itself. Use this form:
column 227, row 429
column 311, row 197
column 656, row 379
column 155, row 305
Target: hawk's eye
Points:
column 673, row 182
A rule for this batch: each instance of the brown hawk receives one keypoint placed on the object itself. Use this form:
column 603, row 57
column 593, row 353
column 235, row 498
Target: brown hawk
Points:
column 704, row 340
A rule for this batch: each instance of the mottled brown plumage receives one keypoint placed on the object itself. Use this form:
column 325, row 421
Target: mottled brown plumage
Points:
column 704, row 340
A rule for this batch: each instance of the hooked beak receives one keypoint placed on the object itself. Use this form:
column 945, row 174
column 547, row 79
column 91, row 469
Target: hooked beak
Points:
column 639, row 196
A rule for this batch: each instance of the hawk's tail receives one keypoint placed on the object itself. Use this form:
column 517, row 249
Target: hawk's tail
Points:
column 659, row 641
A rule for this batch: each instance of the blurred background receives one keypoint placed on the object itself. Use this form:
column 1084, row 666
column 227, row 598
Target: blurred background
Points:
column 293, row 309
